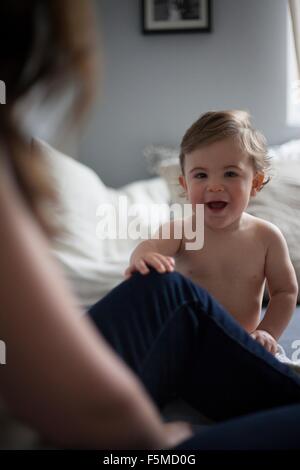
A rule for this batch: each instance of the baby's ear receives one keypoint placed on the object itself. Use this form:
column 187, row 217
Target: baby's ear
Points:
column 257, row 183
column 182, row 181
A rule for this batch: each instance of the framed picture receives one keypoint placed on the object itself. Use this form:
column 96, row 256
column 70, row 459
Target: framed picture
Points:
column 176, row 16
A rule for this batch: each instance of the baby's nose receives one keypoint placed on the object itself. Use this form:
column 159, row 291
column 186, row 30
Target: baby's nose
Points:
column 215, row 188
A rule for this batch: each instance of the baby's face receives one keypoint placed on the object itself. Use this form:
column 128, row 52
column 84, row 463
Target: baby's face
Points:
column 221, row 176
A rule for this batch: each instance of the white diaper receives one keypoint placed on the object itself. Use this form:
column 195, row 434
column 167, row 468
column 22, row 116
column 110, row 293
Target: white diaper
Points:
column 282, row 357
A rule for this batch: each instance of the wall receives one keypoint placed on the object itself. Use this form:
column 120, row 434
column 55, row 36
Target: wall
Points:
column 155, row 86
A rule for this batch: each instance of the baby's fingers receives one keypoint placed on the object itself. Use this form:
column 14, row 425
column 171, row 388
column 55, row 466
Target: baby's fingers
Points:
column 164, row 263
column 270, row 347
column 142, row 267
column 262, row 342
column 273, row 347
column 171, row 263
column 139, row 266
column 128, row 271
column 258, row 338
column 154, row 262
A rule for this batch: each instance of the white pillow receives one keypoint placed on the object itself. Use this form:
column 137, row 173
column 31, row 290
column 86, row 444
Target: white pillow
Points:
column 93, row 266
column 155, row 155
column 163, row 161
column 279, row 203
column 170, row 171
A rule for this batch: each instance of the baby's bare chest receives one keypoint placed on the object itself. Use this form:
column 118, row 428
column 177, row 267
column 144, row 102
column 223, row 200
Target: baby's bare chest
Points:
column 230, row 261
column 233, row 272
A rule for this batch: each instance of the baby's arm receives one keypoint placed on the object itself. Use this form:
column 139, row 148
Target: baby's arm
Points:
column 157, row 252
column 282, row 285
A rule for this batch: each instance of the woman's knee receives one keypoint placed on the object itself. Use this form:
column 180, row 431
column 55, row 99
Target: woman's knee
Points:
column 172, row 283
column 155, row 279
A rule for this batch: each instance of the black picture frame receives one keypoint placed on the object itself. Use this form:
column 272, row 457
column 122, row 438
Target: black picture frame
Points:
column 176, row 16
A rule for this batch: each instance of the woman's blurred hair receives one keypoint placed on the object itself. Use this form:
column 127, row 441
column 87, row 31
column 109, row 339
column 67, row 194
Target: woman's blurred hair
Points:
column 48, row 43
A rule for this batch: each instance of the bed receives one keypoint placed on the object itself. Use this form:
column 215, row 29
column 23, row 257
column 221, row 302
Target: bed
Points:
column 93, row 264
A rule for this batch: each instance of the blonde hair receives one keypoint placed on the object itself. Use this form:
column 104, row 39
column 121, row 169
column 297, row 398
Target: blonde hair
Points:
column 217, row 125
column 54, row 47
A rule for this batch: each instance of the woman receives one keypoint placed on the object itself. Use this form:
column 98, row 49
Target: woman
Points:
column 62, row 377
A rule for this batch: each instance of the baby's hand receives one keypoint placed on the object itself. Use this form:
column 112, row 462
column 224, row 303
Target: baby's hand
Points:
column 155, row 260
column 266, row 340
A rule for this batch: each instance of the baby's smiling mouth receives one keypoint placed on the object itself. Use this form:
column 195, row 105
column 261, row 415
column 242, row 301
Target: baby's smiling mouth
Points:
column 217, row 205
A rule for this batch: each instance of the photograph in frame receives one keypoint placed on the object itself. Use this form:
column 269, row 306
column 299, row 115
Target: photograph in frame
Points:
column 174, row 16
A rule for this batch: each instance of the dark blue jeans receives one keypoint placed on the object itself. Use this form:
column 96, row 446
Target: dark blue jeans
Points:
column 180, row 342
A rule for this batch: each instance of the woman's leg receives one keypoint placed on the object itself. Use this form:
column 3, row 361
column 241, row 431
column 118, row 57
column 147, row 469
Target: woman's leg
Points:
column 181, row 342
column 276, row 429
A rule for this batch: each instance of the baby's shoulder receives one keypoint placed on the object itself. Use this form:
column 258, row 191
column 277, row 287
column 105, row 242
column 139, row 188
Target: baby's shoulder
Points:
column 263, row 229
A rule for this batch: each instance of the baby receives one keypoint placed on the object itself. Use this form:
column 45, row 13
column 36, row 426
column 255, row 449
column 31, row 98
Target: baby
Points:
column 224, row 162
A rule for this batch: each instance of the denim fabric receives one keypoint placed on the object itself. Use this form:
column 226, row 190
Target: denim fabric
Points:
column 182, row 343
column 276, row 429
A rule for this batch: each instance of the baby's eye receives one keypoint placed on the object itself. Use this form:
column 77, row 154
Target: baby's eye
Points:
column 231, row 174
column 200, row 175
